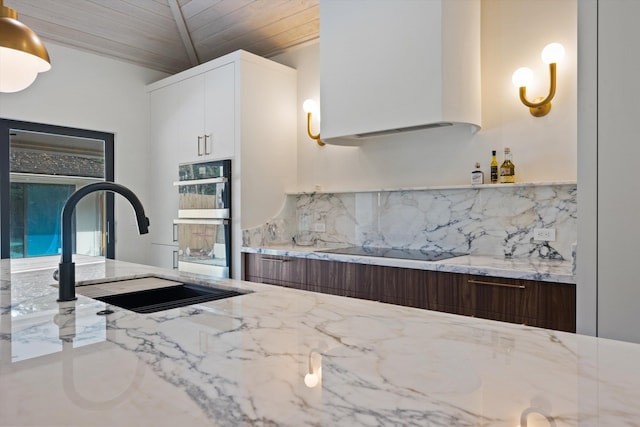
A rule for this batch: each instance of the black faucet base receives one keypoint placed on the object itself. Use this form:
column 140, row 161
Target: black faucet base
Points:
column 67, row 275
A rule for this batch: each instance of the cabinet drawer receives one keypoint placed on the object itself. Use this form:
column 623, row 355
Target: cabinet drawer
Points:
column 555, row 307
column 378, row 283
column 486, row 297
column 453, row 294
column 403, row 286
column 499, row 298
column 529, row 302
column 333, row 277
column 275, row 269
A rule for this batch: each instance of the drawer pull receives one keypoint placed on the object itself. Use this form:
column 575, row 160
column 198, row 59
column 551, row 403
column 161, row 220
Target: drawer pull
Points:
column 274, row 260
column 503, row 285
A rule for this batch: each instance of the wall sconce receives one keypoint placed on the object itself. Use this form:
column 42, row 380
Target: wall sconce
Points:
column 22, row 53
column 309, row 106
column 522, row 77
column 314, row 374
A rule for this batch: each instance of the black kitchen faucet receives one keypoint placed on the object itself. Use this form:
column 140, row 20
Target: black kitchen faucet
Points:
column 66, row 273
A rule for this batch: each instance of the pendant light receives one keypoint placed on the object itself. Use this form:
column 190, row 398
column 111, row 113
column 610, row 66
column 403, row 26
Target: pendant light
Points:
column 22, row 53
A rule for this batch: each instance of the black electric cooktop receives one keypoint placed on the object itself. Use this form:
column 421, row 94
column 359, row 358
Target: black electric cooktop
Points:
column 413, row 254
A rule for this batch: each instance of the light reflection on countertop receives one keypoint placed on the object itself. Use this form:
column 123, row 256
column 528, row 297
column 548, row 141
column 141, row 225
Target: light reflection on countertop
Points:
column 243, row 360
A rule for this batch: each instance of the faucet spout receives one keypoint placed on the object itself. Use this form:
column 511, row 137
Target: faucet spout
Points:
column 66, row 269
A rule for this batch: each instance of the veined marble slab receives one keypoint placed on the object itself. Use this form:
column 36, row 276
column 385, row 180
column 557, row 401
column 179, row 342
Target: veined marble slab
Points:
column 486, row 220
column 515, row 268
column 243, row 361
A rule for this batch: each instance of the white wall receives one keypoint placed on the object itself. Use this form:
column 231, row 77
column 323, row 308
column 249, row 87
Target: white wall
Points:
column 544, row 148
column 514, row 32
column 92, row 92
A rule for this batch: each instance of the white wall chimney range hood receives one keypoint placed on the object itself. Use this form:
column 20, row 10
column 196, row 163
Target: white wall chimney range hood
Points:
column 390, row 66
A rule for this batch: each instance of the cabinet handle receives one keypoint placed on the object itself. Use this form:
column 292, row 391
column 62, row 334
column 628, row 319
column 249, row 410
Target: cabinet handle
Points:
column 175, row 232
column 175, row 260
column 200, row 145
column 503, row 285
column 207, row 147
column 274, row 260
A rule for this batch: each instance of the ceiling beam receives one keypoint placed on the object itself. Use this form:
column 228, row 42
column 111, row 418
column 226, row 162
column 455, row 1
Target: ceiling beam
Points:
column 184, row 32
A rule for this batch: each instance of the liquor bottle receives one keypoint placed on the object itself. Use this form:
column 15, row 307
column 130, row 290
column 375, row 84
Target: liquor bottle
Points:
column 477, row 176
column 494, row 167
column 507, row 169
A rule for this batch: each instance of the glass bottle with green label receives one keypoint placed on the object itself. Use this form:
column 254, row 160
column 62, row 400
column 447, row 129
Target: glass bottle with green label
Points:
column 507, row 169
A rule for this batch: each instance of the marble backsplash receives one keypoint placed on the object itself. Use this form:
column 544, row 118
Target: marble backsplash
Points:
column 485, row 220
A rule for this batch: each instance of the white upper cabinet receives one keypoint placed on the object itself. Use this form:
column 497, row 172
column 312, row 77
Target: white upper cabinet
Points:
column 397, row 65
column 219, row 112
column 205, row 115
column 189, row 118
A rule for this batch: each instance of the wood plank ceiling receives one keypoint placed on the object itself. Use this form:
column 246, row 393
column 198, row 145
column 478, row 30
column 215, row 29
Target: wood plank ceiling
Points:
column 171, row 35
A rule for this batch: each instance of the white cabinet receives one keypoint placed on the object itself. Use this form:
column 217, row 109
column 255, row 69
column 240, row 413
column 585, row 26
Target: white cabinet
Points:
column 191, row 120
column 164, row 155
column 188, row 118
column 245, row 106
column 204, row 115
column 614, row 191
column 165, row 256
column 397, row 65
column 219, row 113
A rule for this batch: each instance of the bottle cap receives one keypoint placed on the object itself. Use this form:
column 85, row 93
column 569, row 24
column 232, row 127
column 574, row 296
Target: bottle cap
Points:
column 507, row 150
column 493, row 152
column 477, row 165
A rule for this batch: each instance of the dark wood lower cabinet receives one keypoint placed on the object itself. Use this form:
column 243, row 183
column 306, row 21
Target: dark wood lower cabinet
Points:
column 498, row 299
column 403, row 286
column 493, row 298
column 275, row 270
column 336, row 278
column 543, row 304
column 555, row 307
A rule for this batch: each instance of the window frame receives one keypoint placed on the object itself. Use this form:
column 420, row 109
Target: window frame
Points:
column 6, row 125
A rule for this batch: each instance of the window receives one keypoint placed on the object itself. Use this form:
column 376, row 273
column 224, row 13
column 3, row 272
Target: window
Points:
column 42, row 166
column 35, row 213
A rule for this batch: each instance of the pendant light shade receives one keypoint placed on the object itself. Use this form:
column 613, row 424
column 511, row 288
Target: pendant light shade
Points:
column 22, row 53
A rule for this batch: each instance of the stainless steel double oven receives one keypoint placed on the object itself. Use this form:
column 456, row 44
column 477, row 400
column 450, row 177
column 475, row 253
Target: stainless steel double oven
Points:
column 203, row 226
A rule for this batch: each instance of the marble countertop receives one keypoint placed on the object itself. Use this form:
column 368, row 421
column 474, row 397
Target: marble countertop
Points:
column 515, row 268
column 242, row 361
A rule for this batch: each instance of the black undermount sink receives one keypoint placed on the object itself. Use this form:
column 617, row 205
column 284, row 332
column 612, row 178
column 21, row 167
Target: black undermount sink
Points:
column 152, row 300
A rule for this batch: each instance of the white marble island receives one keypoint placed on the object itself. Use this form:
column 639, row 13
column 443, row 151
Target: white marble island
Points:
column 243, row 361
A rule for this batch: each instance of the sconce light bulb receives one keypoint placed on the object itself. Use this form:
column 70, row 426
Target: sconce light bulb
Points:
column 310, row 106
column 552, row 53
column 522, row 77
column 311, row 380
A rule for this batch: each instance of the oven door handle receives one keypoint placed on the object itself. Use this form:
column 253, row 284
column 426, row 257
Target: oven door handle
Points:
column 201, row 221
column 218, row 180
column 204, row 214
